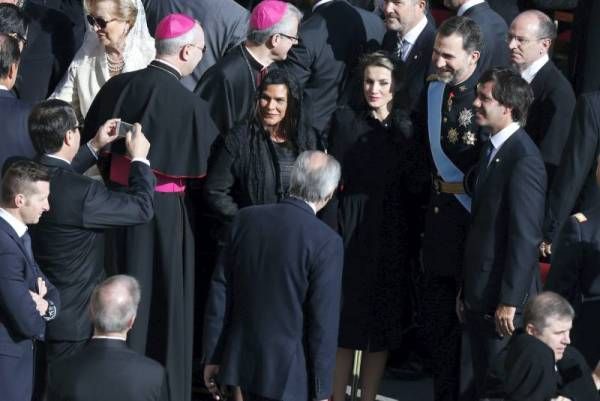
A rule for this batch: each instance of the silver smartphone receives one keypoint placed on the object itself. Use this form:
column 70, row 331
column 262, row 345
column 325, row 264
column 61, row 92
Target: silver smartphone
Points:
column 123, row 128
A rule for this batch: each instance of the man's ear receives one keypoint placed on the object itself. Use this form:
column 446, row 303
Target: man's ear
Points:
column 69, row 137
column 475, row 55
column 531, row 330
column 13, row 70
column 20, row 200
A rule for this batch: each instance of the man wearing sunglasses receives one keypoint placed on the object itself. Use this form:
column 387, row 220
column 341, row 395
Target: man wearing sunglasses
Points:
column 47, row 46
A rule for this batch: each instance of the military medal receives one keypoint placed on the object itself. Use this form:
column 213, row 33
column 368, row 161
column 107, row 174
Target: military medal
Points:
column 469, row 138
column 450, row 100
column 465, row 117
column 452, row 135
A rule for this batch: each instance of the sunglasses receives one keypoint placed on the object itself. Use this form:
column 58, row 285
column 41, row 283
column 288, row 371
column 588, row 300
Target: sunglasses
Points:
column 98, row 21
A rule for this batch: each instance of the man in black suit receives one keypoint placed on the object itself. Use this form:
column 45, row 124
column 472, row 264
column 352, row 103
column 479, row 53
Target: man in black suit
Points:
column 69, row 241
column 493, row 27
column 106, row 369
column 27, row 299
column 333, row 37
column 271, row 321
column 501, row 252
column 409, row 40
column 507, row 9
column 47, row 51
column 13, row 112
column 549, row 117
column 584, row 56
column 539, row 362
column 574, row 188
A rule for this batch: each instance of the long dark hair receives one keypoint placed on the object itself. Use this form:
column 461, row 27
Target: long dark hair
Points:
column 295, row 125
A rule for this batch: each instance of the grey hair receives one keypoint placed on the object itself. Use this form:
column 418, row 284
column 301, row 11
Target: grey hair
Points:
column 545, row 305
column 546, row 28
column 315, row 176
column 114, row 303
column 170, row 47
column 291, row 17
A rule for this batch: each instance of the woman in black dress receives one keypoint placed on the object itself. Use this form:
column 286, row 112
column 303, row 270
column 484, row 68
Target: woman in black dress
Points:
column 381, row 175
column 251, row 165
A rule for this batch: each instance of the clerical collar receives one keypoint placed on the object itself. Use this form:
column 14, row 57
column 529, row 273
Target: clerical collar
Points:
column 468, row 4
column 257, row 65
column 529, row 73
column 320, row 3
column 16, row 224
column 58, row 158
column 109, row 338
column 166, row 67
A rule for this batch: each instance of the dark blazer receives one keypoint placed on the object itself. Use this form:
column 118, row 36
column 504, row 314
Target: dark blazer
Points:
column 418, row 61
column 549, row 116
column 501, row 253
column 584, row 56
column 50, row 49
column 574, row 187
column 273, row 309
column 106, row 369
column 68, row 241
column 20, row 322
column 507, row 9
column 495, row 51
column 332, row 40
column 14, row 133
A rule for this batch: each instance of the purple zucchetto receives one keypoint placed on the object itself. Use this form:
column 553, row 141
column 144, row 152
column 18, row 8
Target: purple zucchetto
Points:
column 173, row 26
column 267, row 13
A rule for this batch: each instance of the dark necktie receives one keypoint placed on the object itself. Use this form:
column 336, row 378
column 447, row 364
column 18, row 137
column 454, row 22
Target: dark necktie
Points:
column 27, row 243
column 485, row 161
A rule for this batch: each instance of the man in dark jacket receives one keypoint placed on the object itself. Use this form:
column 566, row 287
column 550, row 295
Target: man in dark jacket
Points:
column 271, row 321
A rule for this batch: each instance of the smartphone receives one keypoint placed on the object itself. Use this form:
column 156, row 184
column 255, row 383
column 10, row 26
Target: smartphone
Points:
column 123, row 128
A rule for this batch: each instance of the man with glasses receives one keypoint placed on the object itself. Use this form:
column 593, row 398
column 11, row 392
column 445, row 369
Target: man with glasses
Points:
column 230, row 85
column 47, row 46
column 529, row 41
column 160, row 253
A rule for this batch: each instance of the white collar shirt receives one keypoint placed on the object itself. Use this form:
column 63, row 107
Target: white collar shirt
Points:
column 501, row 137
column 412, row 36
column 529, row 73
column 17, row 225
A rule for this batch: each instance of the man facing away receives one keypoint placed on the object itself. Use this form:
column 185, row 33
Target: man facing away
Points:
column 27, row 299
column 271, row 321
column 501, row 252
column 106, row 369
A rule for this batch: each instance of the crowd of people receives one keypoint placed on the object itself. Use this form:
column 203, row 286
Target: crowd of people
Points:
column 296, row 189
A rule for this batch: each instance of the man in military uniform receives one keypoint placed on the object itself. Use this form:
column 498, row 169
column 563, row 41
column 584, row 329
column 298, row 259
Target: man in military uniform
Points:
column 453, row 141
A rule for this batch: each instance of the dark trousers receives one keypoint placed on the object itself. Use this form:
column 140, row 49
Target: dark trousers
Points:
column 485, row 344
column 255, row 397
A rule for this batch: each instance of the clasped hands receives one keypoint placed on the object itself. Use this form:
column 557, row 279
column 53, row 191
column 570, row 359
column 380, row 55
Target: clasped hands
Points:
column 41, row 305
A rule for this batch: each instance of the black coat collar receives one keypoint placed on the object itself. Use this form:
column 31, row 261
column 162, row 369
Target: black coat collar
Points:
column 299, row 203
column 54, row 162
column 159, row 65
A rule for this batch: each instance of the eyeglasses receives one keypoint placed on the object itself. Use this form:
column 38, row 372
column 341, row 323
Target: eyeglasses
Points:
column 19, row 38
column 294, row 39
column 520, row 39
column 197, row 47
column 98, row 21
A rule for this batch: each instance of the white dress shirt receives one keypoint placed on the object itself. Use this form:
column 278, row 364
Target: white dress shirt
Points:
column 3, row 87
column 16, row 224
column 412, row 36
column 530, row 72
column 468, row 4
column 320, row 3
column 500, row 137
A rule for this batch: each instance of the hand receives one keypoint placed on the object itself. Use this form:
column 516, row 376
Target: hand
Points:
column 596, row 376
column 505, row 315
column 40, row 303
column 545, row 249
column 105, row 135
column 137, row 143
column 560, row 398
column 460, row 309
column 41, row 285
column 210, row 374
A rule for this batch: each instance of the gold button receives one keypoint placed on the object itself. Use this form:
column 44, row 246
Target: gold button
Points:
column 436, row 210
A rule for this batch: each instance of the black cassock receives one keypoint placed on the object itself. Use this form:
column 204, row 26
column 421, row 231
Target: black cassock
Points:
column 230, row 86
column 160, row 254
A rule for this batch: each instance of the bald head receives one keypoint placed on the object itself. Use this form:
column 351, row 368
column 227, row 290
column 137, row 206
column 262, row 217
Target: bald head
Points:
column 530, row 37
column 114, row 304
column 315, row 177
